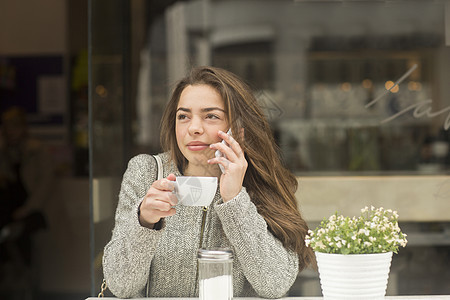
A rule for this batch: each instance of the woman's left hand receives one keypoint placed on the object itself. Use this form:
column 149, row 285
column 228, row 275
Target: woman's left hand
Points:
column 234, row 165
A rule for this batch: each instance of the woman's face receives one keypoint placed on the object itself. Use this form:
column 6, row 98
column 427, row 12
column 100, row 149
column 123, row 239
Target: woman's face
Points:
column 200, row 115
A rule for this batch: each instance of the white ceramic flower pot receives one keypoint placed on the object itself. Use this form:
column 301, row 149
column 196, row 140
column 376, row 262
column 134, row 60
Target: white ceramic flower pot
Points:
column 354, row 276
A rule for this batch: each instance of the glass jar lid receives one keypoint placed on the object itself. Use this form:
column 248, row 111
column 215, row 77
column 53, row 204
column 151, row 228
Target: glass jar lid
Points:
column 215, row 253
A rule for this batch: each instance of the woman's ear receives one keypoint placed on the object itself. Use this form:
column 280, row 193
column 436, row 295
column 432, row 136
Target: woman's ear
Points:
column 242, row 134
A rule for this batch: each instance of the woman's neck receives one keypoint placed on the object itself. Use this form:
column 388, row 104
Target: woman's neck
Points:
column 202, row 170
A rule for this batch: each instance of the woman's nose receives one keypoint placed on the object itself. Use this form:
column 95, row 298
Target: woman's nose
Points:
column 196, row 126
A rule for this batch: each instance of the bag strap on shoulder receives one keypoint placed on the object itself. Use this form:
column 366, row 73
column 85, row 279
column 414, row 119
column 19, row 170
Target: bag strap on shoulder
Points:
column 160, row 167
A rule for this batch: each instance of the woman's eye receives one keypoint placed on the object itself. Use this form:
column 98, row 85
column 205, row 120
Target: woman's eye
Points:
column 212, row 116
column 181, row 117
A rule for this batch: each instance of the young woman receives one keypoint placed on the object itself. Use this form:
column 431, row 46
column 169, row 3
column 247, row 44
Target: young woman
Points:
column 154, row 245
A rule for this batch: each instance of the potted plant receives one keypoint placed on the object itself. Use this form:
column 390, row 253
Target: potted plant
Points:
column 354, row 254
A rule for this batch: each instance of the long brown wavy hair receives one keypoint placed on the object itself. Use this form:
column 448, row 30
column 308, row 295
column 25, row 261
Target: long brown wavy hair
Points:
column 270, row 185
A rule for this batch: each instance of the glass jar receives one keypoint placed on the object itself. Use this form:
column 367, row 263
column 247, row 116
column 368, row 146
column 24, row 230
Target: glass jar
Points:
column 215, row 274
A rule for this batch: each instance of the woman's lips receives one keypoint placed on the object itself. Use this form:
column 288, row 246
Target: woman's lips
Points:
column 197, row 146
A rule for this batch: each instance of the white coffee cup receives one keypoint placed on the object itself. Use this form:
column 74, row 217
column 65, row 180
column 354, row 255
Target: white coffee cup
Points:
column 195, row 190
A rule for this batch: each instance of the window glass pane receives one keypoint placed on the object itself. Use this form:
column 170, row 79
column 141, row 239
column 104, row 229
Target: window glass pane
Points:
column 324, row 72
column 356, row 93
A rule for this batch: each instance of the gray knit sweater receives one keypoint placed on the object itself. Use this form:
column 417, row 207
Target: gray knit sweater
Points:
column 168, row 257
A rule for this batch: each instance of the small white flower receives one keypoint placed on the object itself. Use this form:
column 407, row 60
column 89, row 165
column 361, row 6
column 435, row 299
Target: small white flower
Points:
column 364, row 231
column 320, row 244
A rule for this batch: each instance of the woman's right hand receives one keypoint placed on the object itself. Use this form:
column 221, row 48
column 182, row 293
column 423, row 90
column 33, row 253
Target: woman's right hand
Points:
column 158, row 202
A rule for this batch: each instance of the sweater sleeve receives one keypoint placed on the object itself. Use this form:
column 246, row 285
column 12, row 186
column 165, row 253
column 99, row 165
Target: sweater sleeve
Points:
column 127, row 257
column 270, row 268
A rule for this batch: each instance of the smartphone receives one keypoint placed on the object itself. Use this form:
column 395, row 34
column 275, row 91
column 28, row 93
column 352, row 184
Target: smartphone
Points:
column 219, row 154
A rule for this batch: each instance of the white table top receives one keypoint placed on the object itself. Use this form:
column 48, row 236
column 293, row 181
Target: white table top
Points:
column 423, row 297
